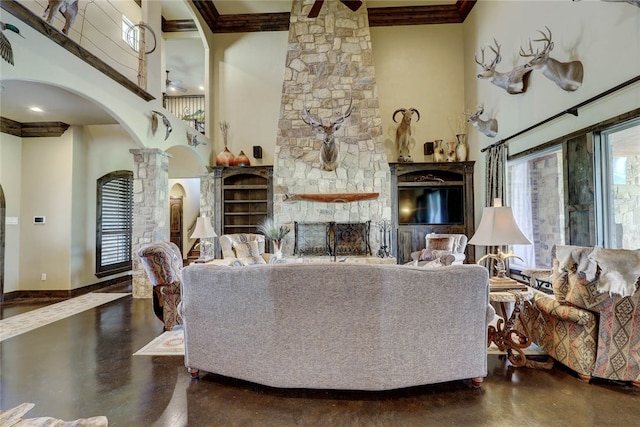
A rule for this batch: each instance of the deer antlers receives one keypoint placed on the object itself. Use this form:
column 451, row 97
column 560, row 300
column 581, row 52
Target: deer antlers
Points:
column 329, row 150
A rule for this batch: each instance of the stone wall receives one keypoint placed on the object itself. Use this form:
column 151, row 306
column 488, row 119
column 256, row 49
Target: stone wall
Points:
column 150, row 209
column 329, row 63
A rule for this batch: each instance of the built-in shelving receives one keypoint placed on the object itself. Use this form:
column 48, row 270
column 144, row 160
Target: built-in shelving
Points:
column 450, row 184
column 245, row 198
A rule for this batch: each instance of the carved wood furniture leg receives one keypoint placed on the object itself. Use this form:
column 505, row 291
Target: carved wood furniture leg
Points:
column 509, row 339
column 584, row 377
column 477, row 382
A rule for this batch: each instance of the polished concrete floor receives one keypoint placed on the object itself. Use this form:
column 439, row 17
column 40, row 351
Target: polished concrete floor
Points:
column 84, row 366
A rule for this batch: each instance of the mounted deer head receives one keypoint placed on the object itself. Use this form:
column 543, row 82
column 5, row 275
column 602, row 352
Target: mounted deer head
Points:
column 514, row 81
column 567, row 75
column 487, row 127
column 403, row 133
column 329, row 150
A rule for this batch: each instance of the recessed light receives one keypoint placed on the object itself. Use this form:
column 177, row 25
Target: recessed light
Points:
column 36, row 109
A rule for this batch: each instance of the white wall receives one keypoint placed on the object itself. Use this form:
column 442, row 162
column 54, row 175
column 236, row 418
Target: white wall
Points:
column 46, row 191
column 605, row 36
column 11, row 180
column 419, row 66
column 248, row 73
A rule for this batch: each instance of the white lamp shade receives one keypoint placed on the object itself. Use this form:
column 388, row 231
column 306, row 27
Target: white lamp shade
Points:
column 498, row 227
column 204, row 229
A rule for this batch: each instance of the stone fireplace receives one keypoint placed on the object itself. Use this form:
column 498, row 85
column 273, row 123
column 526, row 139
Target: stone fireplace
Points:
column 329, row 65
column 334, row 239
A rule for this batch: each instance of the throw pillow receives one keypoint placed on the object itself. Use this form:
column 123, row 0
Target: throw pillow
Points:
column 246, row 249
column 440, row 243
column 433, row 264
column 431, row 254
column 252, row 260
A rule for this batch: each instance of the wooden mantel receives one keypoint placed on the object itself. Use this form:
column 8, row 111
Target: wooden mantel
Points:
column 332, row 197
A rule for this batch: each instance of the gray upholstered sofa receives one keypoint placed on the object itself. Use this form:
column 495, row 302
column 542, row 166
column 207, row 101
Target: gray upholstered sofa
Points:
column 337, row 325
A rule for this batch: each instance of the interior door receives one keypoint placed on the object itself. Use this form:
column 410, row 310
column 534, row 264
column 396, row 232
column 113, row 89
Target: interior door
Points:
column 175, row 228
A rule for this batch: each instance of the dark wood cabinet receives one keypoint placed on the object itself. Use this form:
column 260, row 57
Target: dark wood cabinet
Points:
column 430, row 198
column 244, row 197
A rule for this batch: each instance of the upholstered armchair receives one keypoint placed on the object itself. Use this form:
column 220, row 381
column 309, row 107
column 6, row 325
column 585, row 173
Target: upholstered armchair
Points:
column 441, row 245
column 163, row 263
column 591, row 323
column 247, row 248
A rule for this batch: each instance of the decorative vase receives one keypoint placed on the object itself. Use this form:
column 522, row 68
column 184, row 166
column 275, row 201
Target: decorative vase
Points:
column 438, row 151
column 451, row 151
column 462, row 149
column 241, row 160
column 277, row 248
column 225, row 158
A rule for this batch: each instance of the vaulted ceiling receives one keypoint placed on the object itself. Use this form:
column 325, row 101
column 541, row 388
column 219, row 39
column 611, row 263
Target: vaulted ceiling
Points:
column 274, row 15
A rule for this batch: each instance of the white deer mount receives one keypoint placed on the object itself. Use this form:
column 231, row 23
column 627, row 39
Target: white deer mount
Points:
column 329, row 150
column 514, row 81
column 567, row 75
column 487, row 127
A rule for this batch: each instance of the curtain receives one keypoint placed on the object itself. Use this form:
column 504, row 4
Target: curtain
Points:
column 496, row 159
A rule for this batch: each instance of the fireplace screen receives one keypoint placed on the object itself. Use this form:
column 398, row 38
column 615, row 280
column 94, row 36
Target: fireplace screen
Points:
column 331, row 238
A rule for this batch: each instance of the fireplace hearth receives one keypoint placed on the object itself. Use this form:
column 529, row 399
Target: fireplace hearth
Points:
column 332, row 238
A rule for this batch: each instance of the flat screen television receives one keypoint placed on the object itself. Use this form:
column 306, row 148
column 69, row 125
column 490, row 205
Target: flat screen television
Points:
column 431, row 205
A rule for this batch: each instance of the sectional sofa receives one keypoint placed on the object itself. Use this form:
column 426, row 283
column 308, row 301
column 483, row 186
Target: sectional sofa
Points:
column 337, row 325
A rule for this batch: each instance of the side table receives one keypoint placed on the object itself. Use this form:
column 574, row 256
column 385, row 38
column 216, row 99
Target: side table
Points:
column 503, row 334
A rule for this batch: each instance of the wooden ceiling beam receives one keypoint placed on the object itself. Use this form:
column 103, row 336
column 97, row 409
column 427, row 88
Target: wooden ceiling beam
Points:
column 32, row 129
column 378, row 17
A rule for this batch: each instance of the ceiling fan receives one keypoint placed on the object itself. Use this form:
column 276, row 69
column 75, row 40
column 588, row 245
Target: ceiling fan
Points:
column 351, row 4
column 174, row 84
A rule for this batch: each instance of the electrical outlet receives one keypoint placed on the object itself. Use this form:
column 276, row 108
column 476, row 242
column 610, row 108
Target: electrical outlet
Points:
column 44, row 276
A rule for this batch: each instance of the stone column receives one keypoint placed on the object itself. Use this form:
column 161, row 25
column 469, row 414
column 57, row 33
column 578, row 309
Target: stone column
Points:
column 150, row 209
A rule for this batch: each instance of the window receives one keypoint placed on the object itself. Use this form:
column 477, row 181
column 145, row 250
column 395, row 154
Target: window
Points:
column 130, row 33
column 618, row 194
column 536, row 196
column 582, row 190
column 114, row 223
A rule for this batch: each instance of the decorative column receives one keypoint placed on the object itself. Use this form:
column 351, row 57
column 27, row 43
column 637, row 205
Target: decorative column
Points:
column 150, row 209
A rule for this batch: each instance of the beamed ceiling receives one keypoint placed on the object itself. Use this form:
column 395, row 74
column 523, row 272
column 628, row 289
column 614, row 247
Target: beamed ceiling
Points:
column 378, row 17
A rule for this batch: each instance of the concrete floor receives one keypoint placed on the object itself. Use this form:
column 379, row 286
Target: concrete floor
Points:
column 84, row 366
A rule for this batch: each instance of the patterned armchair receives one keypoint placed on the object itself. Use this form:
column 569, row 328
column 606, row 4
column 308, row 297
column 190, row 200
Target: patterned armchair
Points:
column 163, row 263
column 584, row 325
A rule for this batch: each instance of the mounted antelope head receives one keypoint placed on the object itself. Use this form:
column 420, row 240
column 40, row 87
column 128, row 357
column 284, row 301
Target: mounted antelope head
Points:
column 567, row 75
column 514, row 81
column 488, row 127
column 329, row 150
column 403, row 133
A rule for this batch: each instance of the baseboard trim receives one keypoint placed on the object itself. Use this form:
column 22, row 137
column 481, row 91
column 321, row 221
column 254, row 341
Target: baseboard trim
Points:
column 21, row 296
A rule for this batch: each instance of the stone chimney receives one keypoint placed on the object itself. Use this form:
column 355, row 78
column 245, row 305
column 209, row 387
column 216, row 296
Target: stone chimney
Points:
column 329, row 63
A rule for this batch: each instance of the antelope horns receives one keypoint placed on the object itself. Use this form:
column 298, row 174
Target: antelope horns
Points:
column 399, row 110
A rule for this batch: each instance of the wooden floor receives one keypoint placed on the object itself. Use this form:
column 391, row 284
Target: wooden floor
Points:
column 84, row 366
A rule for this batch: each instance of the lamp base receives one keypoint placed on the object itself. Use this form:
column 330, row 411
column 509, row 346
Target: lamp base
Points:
column 497, row 284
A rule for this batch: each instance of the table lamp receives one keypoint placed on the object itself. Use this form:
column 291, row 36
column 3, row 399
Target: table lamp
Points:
column 498, row 228
column 203, row 230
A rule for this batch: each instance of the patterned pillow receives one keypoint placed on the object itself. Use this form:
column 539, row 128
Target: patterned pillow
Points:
column 252, row 260
column 440, row 243
column 246, row 249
